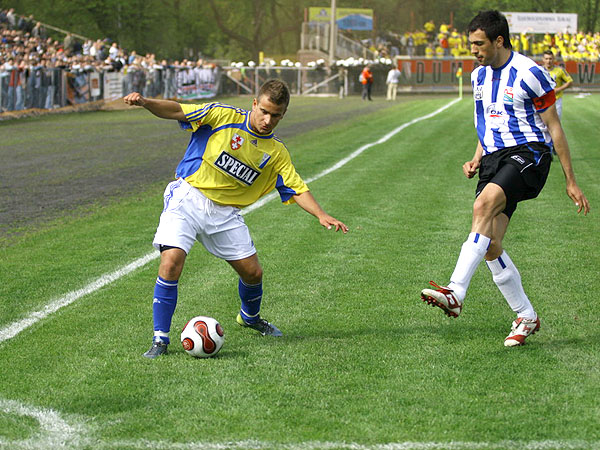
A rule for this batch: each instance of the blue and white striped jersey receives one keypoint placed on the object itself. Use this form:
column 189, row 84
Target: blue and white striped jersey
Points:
column 508, row 101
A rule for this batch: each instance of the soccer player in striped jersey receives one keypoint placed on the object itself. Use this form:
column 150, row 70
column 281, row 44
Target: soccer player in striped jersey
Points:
column 517, row 126
column 233, row 158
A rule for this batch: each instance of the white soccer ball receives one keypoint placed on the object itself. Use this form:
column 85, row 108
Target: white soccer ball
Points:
column 202, row 337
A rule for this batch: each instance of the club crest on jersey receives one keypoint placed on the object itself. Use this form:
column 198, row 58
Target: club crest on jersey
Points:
column 508, row 95
column 237, row 169
column 478, row 92
column 236, row 141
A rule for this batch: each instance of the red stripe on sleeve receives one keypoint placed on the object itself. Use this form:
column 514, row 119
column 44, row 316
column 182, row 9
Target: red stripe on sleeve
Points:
column 545, row 101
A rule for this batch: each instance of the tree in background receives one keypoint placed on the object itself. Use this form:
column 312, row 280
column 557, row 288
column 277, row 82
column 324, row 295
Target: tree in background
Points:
column 240, row 29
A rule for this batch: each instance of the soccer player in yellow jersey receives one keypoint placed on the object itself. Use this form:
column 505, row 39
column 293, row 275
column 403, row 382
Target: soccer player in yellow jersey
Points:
column 233, row 158
column 562, row 79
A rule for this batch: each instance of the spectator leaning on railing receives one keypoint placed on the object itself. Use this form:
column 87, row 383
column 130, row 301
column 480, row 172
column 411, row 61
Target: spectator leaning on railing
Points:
column 29, row 61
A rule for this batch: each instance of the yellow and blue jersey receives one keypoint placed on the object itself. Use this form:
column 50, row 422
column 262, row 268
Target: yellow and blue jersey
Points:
column 230, row 163
column 560, row 77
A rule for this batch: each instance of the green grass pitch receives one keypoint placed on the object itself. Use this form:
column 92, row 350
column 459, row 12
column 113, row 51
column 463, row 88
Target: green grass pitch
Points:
column 363, row 363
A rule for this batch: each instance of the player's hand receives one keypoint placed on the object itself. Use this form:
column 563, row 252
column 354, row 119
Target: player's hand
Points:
column 330, row 222
column 134, row 99
column 581, row 202
column 470, row 168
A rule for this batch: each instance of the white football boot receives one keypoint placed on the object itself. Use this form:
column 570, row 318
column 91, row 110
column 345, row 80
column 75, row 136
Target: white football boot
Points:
column 521, row 328
column 443, row 298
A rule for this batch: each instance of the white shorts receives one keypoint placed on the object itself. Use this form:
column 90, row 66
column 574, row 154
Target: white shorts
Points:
column 189, row 216
column 558, row 104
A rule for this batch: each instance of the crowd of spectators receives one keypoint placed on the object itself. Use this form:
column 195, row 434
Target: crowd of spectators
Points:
column 432, row 41
column 29, row 60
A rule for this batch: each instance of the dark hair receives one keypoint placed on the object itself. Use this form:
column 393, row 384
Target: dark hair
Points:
column 548, row 52
column 493, row 23
column 276, row 91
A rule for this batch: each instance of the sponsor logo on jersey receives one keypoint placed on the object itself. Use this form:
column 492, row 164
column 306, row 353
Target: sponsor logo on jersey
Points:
column 265, row 159
column 493, row 111
column 236, row 141
column 518, row 159
column 508, row 95
column 237, row 169
column 478, row 92
column 254, row 142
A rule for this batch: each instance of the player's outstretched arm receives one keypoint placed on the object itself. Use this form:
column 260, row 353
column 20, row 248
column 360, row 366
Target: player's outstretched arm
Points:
column 165, row 109
column 561, row 146
column 308, row 203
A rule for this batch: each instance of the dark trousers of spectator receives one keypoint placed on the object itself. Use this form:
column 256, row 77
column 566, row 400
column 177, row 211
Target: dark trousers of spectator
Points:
column 49, row 101
column 15, row 100
column 366, row 91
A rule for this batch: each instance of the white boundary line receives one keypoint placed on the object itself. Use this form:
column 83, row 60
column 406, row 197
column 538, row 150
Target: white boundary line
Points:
column 15, row 328
column 56, row 432
column 326, row 445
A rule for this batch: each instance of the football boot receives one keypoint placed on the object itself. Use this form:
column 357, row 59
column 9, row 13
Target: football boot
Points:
column 521, row 328
column 261, row 325
column 443, row 298
column 158, row 348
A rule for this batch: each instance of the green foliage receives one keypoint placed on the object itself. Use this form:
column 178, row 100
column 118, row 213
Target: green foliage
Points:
column 239, row 29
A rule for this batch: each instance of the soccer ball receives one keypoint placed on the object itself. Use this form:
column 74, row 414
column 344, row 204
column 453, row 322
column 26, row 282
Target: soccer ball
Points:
column 202, row 337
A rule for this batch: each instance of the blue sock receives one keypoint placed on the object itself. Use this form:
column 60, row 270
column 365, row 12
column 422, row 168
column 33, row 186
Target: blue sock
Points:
column 251, row 295
column 163, row 307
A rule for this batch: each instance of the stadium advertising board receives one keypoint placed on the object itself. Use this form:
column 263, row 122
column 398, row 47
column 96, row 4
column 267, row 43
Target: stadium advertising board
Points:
column 586, row 75
column 113, row 85
column 422, row 74
column 193, row 84
column 524, row 22
column 346, row 18
column 426, row 74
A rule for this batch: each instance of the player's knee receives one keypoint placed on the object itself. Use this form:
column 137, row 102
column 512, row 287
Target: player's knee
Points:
column 171, row 266
column 253, row 275
column 170, row 271
column 483, row 208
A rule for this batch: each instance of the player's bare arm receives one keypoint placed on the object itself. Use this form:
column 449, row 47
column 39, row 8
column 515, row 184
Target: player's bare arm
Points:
column 165, row 109
column 470, row 167
column 561, row 146
column 563, row 87
column 308, row 203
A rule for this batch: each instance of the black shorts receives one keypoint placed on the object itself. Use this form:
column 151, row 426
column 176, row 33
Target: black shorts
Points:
column 521, row 171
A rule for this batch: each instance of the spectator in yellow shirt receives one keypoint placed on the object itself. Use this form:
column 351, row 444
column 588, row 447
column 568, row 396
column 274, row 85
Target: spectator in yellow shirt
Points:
column 525, row 44
column 429, row 50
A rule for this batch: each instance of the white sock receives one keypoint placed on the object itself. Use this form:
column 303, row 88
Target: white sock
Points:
column 472, row 252
column 507, row 278
column 161, row 336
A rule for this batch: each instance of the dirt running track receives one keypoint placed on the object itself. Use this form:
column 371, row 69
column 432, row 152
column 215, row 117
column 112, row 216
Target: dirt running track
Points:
column 43, row 181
